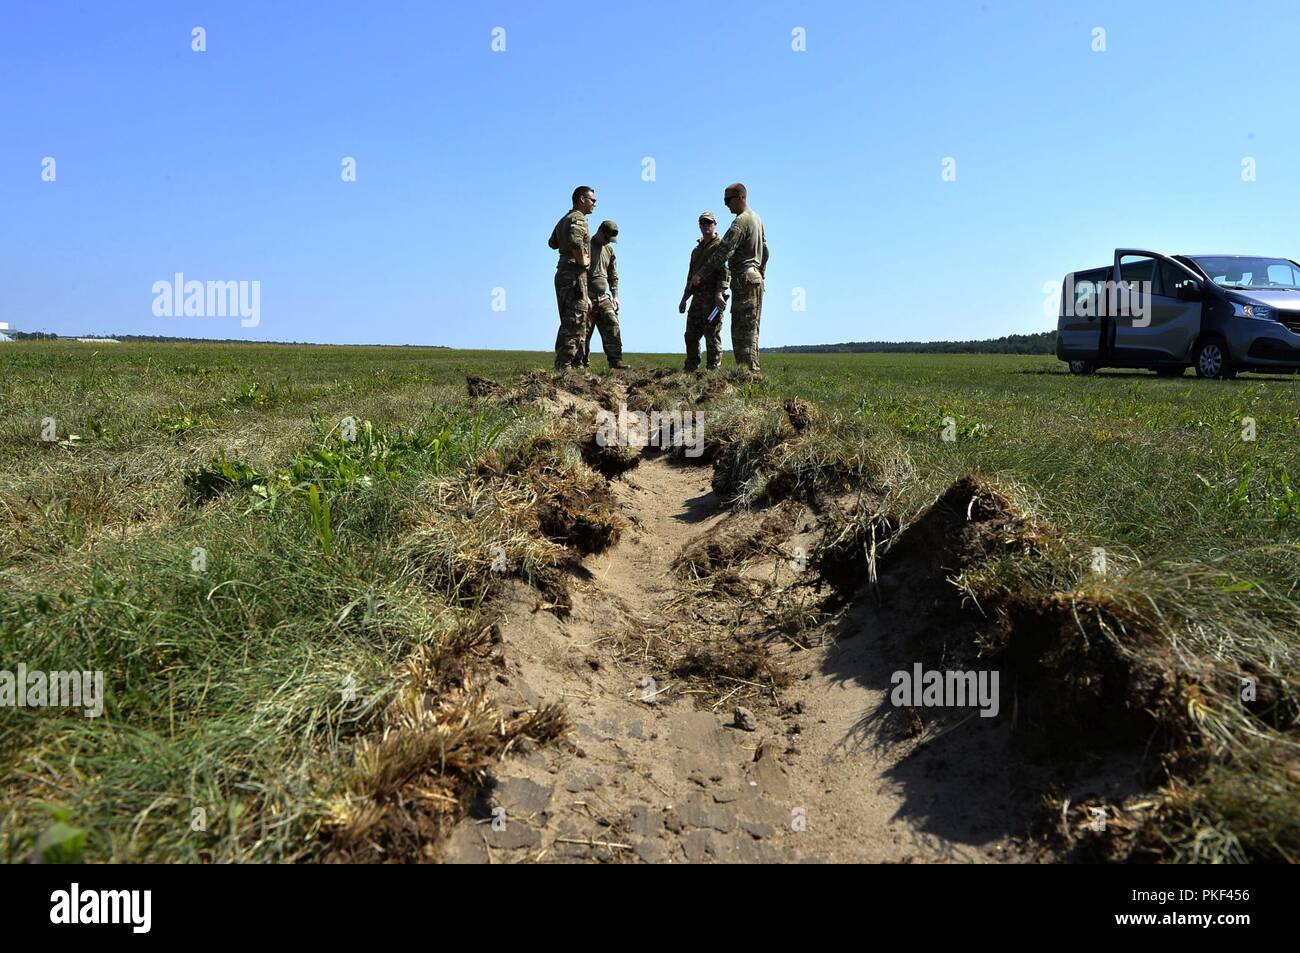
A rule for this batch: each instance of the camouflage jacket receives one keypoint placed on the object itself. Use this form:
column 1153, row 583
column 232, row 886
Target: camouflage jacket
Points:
column 569, row 237
column 744, row 245
column 602, row 276
column 720, row 280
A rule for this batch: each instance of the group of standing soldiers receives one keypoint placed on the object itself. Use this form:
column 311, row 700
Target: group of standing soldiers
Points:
column 586, row 285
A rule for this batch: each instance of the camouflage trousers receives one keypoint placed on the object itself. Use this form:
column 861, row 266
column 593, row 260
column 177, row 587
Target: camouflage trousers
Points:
column 571, row 298
column 697, row 326
column 746, row 310
column 605, row 318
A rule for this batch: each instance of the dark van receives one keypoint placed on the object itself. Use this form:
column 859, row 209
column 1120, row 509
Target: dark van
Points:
column 1218, row 313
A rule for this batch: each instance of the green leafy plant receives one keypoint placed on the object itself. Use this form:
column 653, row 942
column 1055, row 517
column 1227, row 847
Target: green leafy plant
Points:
column 320, row 518
column 60, row 842
column 1283, row 497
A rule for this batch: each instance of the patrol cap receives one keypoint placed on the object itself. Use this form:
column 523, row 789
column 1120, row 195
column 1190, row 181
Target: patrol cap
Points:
column 708, row 217
column 609, row 228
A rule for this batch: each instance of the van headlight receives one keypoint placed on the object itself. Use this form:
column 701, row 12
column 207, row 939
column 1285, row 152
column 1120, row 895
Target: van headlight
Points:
column 1257, row 311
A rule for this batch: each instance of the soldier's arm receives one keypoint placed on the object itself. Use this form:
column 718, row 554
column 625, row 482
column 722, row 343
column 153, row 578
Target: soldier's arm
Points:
column 762, row 268
column 717, row 258
column 613, row 275
column 579, row 242
column 724, row 282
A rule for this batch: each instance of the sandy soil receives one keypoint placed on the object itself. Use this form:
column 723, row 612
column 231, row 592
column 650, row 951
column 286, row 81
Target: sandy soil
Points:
column 658, row 771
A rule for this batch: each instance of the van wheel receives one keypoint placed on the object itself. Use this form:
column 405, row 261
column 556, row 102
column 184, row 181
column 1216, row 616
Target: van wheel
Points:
column 1082, row 367
column 1212, row 361
column 1170, row 371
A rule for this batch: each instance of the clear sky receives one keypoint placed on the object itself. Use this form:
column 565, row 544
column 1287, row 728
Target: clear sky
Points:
column 226, row 164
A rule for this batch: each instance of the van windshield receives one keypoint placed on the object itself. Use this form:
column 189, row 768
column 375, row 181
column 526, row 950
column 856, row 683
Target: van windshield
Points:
column 1231, row 271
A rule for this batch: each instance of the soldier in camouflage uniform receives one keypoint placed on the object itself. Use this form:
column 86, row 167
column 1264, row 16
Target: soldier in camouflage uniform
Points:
column 704, row 300
column 745, row 247
column 570, row 239
column 602, row 286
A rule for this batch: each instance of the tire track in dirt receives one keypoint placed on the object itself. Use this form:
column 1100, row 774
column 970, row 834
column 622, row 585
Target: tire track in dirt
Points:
column 657, row 772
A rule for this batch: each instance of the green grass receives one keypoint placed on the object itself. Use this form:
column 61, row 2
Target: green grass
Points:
column 1154, row 467
column 225, row 686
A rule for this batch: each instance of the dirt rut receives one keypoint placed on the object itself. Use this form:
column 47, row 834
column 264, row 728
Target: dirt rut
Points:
column 657, row 770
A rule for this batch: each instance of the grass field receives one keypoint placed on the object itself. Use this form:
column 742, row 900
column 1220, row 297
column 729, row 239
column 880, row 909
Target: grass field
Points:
column 198, row 530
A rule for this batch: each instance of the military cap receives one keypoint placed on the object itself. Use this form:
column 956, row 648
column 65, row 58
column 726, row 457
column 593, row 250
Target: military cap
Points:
column 708, row 217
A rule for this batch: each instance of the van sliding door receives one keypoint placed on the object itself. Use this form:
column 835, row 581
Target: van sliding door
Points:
column 1080, row 322
column 1153, row 325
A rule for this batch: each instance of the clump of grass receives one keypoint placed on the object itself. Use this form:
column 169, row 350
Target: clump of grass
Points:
column 1244, row 808
column 747, row 444
column 467, row 533
column 527, row 515
column 478, row 386
column 750, row 535
column 723, row 665
column 850, row 548
column 417, row 774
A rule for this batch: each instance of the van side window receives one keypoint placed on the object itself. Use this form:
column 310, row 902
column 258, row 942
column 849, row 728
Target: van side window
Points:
column 1170, row 278
column 1133, row 268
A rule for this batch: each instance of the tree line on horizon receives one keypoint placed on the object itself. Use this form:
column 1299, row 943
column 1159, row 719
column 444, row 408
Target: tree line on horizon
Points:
column 1043, row 342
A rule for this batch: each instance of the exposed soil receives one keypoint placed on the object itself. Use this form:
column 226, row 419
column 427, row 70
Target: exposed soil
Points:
column 691, row 613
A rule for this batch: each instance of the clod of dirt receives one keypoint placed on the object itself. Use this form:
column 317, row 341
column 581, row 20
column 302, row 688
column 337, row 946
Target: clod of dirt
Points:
column 748, row 661
column 1076, row 679
column 1075, row 682
column 535, row 386
column 482, row 386
column 553, row 584
column 972, row 520
column 744, row 719
column 743, row 536
column 801, row 413
column 587, row 386
column 714, row 387
column 575, row 508
column 609, row 460
column 848, row 554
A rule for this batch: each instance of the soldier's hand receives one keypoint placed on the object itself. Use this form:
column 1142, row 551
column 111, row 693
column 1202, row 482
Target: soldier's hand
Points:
column 681, row 307
column 616, row 305
column 721, row 302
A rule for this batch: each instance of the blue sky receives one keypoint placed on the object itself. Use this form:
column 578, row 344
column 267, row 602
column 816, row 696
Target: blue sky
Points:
column 225, row 164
